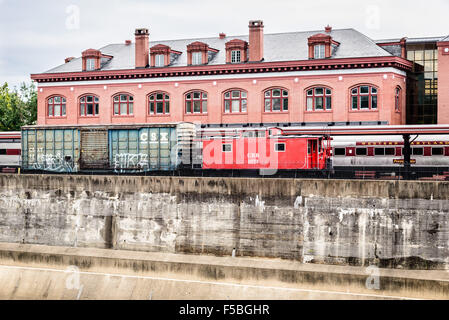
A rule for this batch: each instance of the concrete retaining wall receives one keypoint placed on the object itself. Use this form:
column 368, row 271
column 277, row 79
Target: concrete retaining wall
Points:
column 386, row 223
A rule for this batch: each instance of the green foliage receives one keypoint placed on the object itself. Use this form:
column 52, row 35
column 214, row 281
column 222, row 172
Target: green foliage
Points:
column 17, row 107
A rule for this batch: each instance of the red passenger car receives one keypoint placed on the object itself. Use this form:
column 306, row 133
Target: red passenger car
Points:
column 271, row 148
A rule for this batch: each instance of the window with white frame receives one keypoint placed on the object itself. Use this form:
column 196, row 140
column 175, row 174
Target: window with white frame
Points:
column 90, row 64
column 197, row 58
column 236, row 56
column 364, row 98
column 235, row 101
column 319, row 99
column 159, row 60
column 319, row 51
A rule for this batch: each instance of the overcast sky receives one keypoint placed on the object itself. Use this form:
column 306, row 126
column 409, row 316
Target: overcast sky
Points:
column 38, row 35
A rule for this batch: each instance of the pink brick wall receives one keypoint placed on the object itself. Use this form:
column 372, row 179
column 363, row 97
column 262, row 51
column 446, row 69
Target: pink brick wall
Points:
column 297, row 100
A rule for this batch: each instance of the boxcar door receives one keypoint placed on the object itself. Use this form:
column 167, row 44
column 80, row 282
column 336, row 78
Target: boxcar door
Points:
column 312, row 151
column 94, row 149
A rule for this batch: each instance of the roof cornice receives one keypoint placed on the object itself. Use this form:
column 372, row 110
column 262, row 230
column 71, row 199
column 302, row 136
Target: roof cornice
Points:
column 244, row 68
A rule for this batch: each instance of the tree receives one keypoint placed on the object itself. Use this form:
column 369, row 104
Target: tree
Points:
column 17, row 107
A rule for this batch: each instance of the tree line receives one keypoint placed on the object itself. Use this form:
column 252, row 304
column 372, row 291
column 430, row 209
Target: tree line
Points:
column 18, row 107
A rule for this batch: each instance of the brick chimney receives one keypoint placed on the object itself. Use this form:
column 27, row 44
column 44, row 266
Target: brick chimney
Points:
column 142, row 48
column 222, row 35
column 328, row 29
column 67, row 60
column 255, row 40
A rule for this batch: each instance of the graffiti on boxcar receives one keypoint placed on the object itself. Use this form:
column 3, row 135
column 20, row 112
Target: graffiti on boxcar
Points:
column 51, row 162
column 128, row 162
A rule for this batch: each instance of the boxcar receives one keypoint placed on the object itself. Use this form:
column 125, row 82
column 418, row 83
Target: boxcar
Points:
column 114, row 148
column 9, row 151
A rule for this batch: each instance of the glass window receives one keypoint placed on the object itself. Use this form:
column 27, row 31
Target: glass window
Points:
column 390, row 151
column 123, row 105
column 361, row 151
column 90, row 64
column 364, row 98
column 319, row 99
column 379, row 151
column 339, row 151
column 89, row 106
column 159, row 60
column 56, row 107
column 159, row 103
column 197, row 58
column 319, row 51
column 280, row 147
column 235, row 56
column 276, row 100
column 417, row 151
column 397, row 100
column 227, row 148
column 196, row 102
column 437, row 151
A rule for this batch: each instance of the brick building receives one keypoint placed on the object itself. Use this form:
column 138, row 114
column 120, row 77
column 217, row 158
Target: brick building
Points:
column 327, row 76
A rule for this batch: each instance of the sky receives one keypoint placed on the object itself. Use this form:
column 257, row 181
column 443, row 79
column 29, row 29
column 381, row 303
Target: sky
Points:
column 37, row 35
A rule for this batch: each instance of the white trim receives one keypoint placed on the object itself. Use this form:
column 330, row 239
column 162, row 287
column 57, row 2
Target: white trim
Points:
column 228, row 76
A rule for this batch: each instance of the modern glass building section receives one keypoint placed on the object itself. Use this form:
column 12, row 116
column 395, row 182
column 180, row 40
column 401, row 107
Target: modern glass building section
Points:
column 422, row 99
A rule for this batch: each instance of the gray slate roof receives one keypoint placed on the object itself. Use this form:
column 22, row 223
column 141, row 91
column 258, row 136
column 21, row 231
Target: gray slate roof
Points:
column 292, row 46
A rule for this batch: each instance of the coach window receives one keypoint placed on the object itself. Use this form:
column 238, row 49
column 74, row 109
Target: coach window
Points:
column 276, row 100
column 319, row 99
column 364, row 98
column 123, row 105
column 196, row 102
column 89, row 106
column 437, row 151
column 339, row 151
column 361, row 152
column 418, row 151
column 235, row 101
column 390, row 151
column 158, row 104
column 56, row 106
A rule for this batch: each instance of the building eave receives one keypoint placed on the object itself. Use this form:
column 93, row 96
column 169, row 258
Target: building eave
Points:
column 244, row 68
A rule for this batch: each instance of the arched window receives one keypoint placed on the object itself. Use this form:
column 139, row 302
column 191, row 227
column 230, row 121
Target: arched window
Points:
column 158, row 103
column 276, row 100
column 56, row 106
column 319, row 99
column 235, row 101
column 397, row 99
column 364, row 98
column 123, row 105
column 89, row 106
column 196, row 102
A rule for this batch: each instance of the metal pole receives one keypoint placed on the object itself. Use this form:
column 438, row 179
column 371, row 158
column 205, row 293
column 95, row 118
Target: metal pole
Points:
column 407, row 157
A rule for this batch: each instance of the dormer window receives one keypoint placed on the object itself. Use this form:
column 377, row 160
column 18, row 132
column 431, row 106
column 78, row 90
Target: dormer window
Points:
column 321, row 45
column 90, row 64
column 197, row 58
column 159, row 60
column 319, row 51
column 199, row 53
column 236, row 51
column 162, row 55
column 235, row 56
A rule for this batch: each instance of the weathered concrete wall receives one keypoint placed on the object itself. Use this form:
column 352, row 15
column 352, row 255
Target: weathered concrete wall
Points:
column 387, row 223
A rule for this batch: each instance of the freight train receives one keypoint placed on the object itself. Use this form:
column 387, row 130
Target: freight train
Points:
column 185, row 148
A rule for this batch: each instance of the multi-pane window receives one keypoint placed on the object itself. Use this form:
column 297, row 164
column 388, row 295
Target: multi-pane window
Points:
column 159, row 103
column 123, row 105
column 319, row 51
column 196, row 102
column 235, row 56
column 89, row 106
column 319, row 99
column 397, row 99
column 197, row 58
column 159, row 60
column 276, row 100
column 235, row 101
column 90, row 64
column 56, row 106
column 364, row 98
